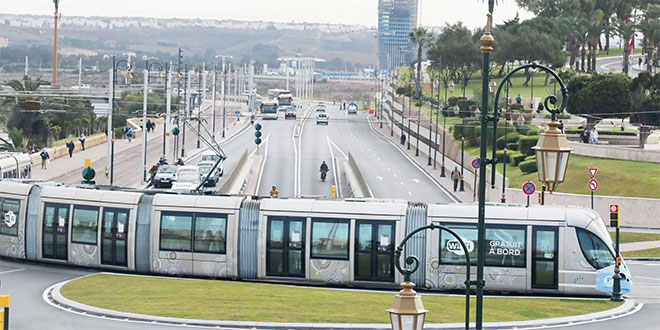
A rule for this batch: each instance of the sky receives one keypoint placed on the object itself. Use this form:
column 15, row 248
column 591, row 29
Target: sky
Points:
column 434, row 12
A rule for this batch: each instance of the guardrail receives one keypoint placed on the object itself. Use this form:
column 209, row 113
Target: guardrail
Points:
column 226, row 187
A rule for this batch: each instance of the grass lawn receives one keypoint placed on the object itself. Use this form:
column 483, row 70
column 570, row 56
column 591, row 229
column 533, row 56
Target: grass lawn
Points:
column 631, row 237
column 650, row 253
column 617, row 52
column 615, row 177
column 241, row 301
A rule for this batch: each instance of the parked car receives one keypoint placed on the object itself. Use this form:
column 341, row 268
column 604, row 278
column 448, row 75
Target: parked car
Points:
column 290, row 113
column 188, row 178
column 205, row 168
column 165, row 176
column 322, row 118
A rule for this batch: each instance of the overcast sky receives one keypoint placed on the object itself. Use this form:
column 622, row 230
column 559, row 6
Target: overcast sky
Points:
column 435, row 12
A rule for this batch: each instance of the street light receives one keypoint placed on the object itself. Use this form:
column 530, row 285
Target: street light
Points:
column 109, row 172
column 492, row 86
column 552, row 153
column 451, row 86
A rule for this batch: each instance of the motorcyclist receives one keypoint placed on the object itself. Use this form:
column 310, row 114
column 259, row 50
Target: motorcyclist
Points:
column 324, row 170
column 274, row 192
column 162, row 161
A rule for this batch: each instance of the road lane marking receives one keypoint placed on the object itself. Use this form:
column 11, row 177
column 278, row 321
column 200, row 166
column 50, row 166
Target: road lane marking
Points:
column 380, row 178
column 409, row 193
column 642, row 277
column 334, row 167
column 261, row 172
column 402, row 184
column 415, row 180
column 338, row 149
column 12, row 271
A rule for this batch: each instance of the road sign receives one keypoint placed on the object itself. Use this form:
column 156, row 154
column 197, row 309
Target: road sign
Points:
column 529, row 188
column 593, row 171
column 475, row 163
column 237, row 112
column 593, row 184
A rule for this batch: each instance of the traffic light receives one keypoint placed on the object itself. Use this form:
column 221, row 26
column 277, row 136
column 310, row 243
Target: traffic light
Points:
column 618, row 261
column 175, row 131
column 257, row 134
column 614, row 215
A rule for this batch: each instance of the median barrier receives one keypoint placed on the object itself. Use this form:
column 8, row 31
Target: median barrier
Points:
column 356, row 181
column 226, row 187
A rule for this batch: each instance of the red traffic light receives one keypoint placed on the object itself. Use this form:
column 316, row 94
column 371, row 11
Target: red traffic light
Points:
column 618, row 261
column 614, row 208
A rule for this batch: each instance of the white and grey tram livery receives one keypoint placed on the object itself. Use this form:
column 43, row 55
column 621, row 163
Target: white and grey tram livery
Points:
column 540, row 249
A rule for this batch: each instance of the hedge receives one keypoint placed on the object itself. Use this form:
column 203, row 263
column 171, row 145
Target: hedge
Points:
column 530, row 158
column 526, row 143
column 510, row 138
column 561, row 116
column 516, row 157
column 499, row 155
column 528, row 166
column 512, row 146
column 529, row 130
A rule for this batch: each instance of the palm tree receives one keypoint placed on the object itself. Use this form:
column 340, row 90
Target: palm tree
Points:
column 626, row 31
column 26, row 107
column 651, row 30
column 581, row 36
column 594, row 29
column 15, row 141
column 421, row 36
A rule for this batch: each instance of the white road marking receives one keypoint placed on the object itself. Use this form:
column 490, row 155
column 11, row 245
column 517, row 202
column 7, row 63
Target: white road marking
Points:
column 415, row 180
column 338, row 149
column 395, row 175
column 334, row 168
column 12, row 271
column 409, row 193
column 402, row 184
column 380, row 178
column 642, row 277
column 261, row 172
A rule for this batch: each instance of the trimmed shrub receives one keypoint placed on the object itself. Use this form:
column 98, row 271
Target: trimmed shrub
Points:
column 512, row 146
column 528, row 166
column 499, row 155
column 452, row 101
column 529, row 130
column 561, row 116
column 516, row 158
column 530, row 158
column 510, row 138
column 619, row 133
column 467, row 130
column 526, row 143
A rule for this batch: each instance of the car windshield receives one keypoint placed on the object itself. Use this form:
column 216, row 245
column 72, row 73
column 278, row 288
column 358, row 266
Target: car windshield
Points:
column 322, row 115
column 205, row 169
column 167, row 169
column 594, row 249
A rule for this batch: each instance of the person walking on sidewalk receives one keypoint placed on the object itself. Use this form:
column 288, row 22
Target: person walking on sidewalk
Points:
column 593, row 136
column 455, row 175
column 129, row 134
column 403, row 138
column 44, row 159
column 82, row 141
column 70, row 146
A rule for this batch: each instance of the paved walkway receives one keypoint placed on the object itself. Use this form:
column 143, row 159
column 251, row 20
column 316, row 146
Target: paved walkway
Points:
column 65, row 166
column 635, row 246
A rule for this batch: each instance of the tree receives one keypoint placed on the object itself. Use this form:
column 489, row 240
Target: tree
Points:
column 421, row 36
column 15, row 141
column 625, row 29
column 594, row 29
column 26, row 108
column 645, row 101
column 599, row 96
column 651, row 30
column 550, row 8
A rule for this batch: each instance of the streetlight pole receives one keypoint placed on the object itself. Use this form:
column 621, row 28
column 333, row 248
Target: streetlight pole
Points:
column 200, row 94
column 444, row 138
column 462, row 186
column 57, row 14
column 186, row 111
column 144, row 122
column 409, row 113
column 168, row 110
column 437, row 114
column 110, row 147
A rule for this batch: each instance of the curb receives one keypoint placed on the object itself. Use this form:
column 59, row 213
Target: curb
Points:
column 643, row 259
column 53, row 296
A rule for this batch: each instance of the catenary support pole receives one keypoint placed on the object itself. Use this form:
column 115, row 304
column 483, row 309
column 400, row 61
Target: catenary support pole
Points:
column 145, row 92
column 111, row 101
column 168, row 109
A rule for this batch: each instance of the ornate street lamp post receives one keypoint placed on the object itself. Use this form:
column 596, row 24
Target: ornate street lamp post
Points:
column 109, row 173
column 407, row 311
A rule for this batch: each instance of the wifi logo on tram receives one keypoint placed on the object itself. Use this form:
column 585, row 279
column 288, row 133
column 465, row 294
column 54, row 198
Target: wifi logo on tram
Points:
column 454, row 246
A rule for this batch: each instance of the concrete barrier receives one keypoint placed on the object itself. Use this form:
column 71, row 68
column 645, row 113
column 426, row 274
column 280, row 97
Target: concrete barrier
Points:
column 615, row 152
column 226, row 187
column 356, row 181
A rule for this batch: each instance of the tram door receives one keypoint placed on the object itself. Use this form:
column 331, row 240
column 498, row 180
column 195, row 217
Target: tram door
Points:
column 374, row 251
column 544, row 257
column 285, row 247
column 114, row 234
column 55, row 231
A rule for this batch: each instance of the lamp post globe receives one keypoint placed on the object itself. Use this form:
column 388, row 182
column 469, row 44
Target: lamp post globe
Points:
column 407, row 311
column 552, row 153
column 451, row 86
column 492, row 86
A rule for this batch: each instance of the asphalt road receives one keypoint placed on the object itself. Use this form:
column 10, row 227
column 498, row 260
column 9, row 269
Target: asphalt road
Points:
column 606, row 64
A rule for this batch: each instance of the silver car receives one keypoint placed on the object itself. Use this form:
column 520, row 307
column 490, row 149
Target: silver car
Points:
column 165, row 176
column 205, row 168
column 322, row 118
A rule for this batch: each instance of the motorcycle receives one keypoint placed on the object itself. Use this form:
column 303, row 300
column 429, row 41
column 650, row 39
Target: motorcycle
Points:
column 324, row 174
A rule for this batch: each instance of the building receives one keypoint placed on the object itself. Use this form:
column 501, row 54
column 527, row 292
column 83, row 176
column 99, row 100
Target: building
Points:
column 396, row 18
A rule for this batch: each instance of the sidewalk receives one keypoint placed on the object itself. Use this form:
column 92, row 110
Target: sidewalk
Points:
column 635, row 246
column 62, row 169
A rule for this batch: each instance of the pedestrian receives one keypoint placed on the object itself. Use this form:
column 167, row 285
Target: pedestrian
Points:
column 455, row 175
column 585, row 136
column 561, row 126
column 403, row 138
column 129, row 134
column 640, row 62
column 125, row 131
column 70, row 146
column 45, row 159
column 82, row 141
column 148, row 125
column 593, row 136
column 153, row 126
column 540, row 108
column 518, row 99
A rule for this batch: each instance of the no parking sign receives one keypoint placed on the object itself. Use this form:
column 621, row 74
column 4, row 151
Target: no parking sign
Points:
column 529, row 188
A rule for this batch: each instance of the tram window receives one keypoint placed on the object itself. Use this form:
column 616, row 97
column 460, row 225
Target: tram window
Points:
column 176, row 231
column 329, row 239
column 85, row 224
column 451, row 251
column 210, row 233
column 594, row 249
column 505, row 246
column 10, row 216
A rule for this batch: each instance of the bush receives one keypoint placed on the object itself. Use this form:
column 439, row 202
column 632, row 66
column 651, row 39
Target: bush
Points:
column 529, row 130
column 499, row 155
column 510, row 138
column 528, row 166
column 561, row 116
column 530, row 158
column 452, row 101
column 526, row 143
column 467, row 131
column 620, row 133
column 512, row 146
column 516, row 157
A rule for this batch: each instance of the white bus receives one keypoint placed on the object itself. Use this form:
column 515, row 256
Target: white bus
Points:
column 284, row 101
column 268, row 110
column 276, row 92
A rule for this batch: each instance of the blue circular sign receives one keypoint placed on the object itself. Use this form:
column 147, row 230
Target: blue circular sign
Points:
column 529, row 188
column 475, row 163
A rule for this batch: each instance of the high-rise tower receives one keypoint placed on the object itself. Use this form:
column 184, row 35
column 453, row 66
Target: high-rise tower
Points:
column 396, row 18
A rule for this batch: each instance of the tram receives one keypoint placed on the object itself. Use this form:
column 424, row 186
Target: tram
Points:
column 15, row 165
column 541, row 249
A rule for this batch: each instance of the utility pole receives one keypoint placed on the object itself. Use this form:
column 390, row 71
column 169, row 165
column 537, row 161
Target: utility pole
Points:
column 213, row 103
column 144, row 123
column 79, row 71
column 57, row 14
column 178, row 103
column 186, row 112
column 168, row 108
column 111, row 96
column 26, row 65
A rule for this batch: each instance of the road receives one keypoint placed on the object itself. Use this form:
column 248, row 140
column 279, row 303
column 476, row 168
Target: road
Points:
column 606, row 64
